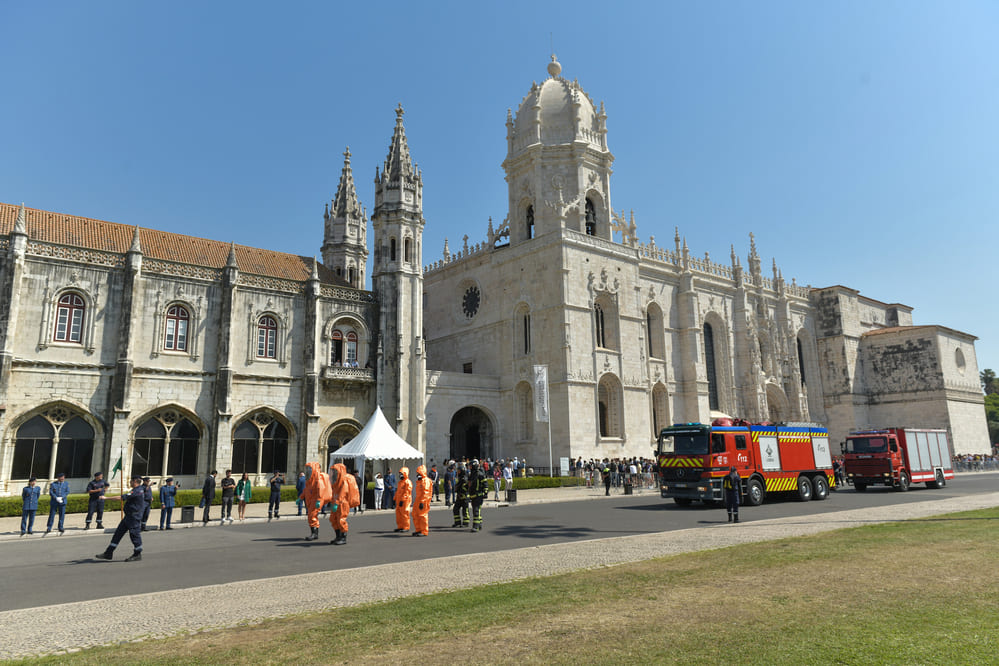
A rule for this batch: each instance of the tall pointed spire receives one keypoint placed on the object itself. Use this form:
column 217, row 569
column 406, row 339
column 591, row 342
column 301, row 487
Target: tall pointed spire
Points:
column 231, row 261
column 398, row 163
column 345, row 202
column 136, row 244
column 20, row 224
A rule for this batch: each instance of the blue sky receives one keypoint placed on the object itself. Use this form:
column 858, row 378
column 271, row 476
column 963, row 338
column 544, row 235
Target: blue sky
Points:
column 859, row 141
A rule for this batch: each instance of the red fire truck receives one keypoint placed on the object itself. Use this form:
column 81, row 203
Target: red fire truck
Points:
column 897, row 457
column 787, row 458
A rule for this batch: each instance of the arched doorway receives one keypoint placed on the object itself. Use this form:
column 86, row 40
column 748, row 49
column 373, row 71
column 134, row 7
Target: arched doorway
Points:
column 471, row 434
column 778, row 407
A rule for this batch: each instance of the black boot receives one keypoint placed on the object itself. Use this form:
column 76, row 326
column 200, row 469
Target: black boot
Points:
column 341, row 538
column 730, row 516
column 99, row 525
column 87, row 526
column 736, row 519
column 335, row 539
column 106, row 555
column 313, row 535
column 134, row 557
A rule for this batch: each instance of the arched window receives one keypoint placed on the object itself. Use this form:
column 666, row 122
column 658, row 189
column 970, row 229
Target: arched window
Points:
column 530, row 222
column 408, row 248
column 350, row 276
column 801, row 361
column 69, row 318
column 259, row 445
column 339, row 271
column 598, row 313
column 177, row 319
column 655, row 330
column 340, row 436
column 33, row 449
column 609, row 407
column 336, row 347
column 350, row 356
column 54, row 441
column 267, row 337
column 147, row 451
column 709, row 366
column 392, row 249
column 591, row 218
column 166, row 444
column 605, row 323
column 525, row 319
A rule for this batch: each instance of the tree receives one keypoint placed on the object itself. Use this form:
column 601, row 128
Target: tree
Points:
column 990, row 383
column 992, row 416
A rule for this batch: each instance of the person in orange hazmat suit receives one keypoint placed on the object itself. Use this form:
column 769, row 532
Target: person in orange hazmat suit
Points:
column 403, row 497
column 423, row 491
column 317, row 493
column 345, row 495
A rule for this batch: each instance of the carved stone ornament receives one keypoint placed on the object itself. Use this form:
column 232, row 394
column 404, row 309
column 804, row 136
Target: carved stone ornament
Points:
column 605, row 284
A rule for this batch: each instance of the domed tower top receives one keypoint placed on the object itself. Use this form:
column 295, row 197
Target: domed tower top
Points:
column 557, row 112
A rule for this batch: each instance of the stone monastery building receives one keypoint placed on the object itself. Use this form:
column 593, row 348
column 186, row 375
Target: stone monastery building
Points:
column 184, row 355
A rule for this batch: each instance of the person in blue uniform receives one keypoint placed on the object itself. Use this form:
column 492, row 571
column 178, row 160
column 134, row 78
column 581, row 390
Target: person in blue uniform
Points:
column 299, row 489
column 134, row 505
column 147, row 497
column 274, row 503
column 95, row 505
column 58, row 494
column 732, row 488
column 29, row 505
column 449, row 481
column 168, row 492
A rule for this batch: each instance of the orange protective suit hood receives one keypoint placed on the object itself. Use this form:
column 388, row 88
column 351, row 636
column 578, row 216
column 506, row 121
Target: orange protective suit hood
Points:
column 403, row 473
column 338, row 478
column 421, row 471
column 317, row 483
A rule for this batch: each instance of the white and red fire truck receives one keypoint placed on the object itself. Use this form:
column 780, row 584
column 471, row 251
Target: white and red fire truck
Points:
column 693, row 458
column 897, row 457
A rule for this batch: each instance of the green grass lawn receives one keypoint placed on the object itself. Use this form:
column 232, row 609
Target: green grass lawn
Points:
column 914, row 592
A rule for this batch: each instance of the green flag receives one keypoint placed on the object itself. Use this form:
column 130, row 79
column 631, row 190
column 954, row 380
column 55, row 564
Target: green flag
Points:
column 116, row 468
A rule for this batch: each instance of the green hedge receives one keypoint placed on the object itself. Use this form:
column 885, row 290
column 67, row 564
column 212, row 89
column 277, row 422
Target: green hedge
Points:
column 77, row 503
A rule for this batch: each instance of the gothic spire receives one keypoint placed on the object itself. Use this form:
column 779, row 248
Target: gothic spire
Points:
column 398, row 163
column 231, row 261
column 345, row 202
column 136, row 245
column 20, row 225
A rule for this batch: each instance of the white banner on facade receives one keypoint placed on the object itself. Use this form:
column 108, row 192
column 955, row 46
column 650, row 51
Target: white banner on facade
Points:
column 541, row 393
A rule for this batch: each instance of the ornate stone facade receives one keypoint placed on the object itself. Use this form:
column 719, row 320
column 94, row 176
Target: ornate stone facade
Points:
column 184, row 355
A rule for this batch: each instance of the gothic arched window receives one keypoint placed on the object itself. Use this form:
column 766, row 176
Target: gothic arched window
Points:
column 591, row 218
column 177, row 319
column 259, row 445
column 530, row 222
column 69, row 318
column 166, row 444
column 391, row 249
column 598, row 313
column 408, row 249
column 709, row 365
column 266, row 337
column 53, row 442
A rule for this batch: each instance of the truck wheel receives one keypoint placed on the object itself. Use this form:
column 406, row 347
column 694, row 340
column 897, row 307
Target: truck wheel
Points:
column 804, row 488
column 861, row 487
column 754, row 492
column 682, row 501
column 820, row 488
column 939, row 482
column 903, row 482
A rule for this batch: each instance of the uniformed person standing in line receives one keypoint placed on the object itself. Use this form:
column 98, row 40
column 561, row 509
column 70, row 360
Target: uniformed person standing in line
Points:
column 460, row 498
column 732, row 488
column 147, row 497
column 95, row 504
column 134, row 504
column 478, row 490
column 274, row 503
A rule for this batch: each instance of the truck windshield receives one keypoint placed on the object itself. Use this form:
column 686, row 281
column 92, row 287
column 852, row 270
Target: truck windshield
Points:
column 866, row 445
column 684, row 443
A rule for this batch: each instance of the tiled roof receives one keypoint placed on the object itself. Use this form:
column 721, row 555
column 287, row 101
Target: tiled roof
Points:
column 85, row 232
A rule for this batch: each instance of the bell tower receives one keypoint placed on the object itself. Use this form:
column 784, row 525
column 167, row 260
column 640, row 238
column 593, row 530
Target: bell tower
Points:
column 558, row 165
column 345, row 241
column 397, row 274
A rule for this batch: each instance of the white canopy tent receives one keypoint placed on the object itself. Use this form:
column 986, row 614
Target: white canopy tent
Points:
column 377, row 441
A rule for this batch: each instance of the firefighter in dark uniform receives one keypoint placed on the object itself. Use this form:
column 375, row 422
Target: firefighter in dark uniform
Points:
column 134, row 504
column 478, row 491
column 605, row 472
column 460, row 498
column 147, row 497
column 95, row 500
column 732, row 488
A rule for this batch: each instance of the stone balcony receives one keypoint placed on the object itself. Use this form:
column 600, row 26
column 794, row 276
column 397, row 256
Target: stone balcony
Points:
column 345, row 375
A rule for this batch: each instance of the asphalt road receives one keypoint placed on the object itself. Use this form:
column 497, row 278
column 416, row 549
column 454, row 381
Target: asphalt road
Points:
column 56, row 570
